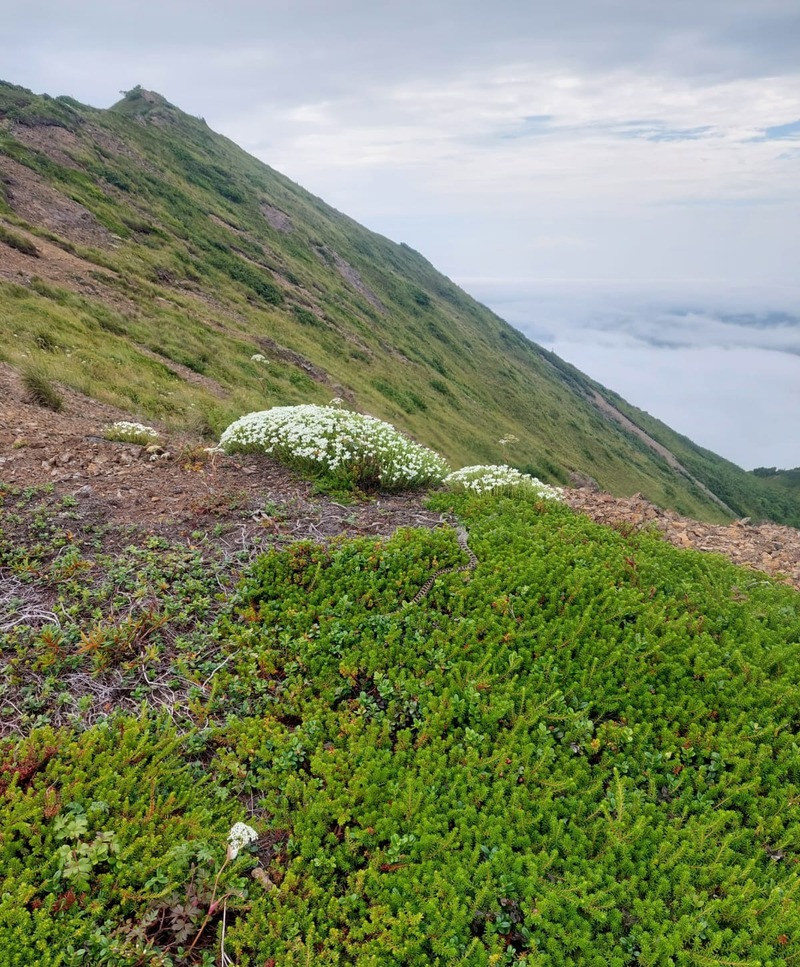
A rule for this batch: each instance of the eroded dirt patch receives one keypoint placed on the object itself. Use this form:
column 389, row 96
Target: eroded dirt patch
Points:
column 258, row 503
column 278, row 219
column 52, row 140
column 33, row 199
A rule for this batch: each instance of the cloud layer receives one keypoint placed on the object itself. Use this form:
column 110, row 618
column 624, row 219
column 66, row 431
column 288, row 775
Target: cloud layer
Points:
column 719, row 364
column 607, row 138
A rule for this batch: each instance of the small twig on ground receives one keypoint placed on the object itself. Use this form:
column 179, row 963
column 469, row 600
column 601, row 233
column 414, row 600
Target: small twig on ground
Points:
column 19, row 606
column 215, row 670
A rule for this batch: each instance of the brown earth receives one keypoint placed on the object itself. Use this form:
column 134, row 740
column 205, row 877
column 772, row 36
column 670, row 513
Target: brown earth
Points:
column 54, row 264
column 181, row 490
column 59, row 144
column 184, row 489
column 278, row 219
column 34, row 200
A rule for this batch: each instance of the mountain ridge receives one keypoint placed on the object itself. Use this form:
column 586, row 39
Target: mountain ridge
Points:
column 148, row 260
column 247, row 720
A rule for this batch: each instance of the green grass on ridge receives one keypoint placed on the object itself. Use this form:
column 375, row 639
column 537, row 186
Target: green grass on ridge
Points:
column 205, row 256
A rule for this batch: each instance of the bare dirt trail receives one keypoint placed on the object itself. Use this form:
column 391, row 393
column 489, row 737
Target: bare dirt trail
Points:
column 182, row 490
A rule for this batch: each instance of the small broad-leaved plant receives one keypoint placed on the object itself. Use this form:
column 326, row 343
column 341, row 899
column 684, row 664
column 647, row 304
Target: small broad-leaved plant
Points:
column 82, row 852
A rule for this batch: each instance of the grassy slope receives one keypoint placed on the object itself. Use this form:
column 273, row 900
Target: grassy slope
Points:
column 748, row 494
column 782, row 483
column 580, row 753
column 198, row 273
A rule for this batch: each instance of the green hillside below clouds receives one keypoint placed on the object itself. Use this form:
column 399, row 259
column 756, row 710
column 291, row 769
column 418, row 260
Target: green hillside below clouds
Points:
column 150, row 263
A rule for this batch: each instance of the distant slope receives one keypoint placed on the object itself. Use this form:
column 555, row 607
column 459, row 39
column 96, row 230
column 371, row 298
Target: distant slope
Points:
column 783, row 487
column 747, row 494
column 145, row 260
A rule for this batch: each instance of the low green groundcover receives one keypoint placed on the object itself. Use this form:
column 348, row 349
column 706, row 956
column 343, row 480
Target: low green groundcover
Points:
column 583, row 751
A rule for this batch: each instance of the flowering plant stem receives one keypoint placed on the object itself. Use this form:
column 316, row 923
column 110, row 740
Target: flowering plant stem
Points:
column 213, row 904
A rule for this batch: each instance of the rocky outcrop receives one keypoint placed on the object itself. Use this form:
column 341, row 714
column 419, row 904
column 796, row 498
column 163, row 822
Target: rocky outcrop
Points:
column 767, row 547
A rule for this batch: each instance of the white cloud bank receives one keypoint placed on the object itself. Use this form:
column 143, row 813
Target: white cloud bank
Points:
column 719, row 364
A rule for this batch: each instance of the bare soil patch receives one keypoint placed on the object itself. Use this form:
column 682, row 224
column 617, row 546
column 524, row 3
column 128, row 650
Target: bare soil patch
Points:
column 182, row 490
column 34, row 200
column 57, row 143
column 257, row 502
column 60, row 267
column 278, row 219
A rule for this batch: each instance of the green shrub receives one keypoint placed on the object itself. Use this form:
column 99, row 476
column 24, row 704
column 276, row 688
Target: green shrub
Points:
column 18, row 242
column 582, row 750
column 306, row 316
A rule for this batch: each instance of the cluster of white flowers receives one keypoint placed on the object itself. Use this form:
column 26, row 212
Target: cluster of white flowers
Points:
column 329, row 438
column 500, row 479
column 241, row 835
column 124, row 431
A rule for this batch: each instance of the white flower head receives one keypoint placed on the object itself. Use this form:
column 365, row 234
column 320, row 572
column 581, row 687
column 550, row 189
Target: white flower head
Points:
column 241, row 835
column 124, row 431
column 135, row 427
column 500, row 479
column 333, row 438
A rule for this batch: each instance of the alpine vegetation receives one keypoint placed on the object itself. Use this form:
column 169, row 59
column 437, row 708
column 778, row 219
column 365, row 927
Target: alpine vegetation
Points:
column 123, row 431
column 500, row 479
column 353, row 449
column 579, row 749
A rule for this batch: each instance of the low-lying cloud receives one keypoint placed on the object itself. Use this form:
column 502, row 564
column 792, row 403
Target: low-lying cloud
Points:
column 720, row 365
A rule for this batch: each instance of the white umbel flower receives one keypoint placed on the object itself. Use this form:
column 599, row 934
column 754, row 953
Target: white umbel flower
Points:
column 241, row 835
column 330, row 438
column 495, row 479
column 125, row 431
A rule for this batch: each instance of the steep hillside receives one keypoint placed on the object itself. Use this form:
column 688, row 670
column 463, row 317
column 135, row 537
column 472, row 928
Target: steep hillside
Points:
column 244, row 723
column 149, row 263
column 757, row 494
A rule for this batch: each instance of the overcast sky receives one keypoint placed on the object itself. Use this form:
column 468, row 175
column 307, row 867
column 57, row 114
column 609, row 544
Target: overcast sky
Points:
column 618, row 178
